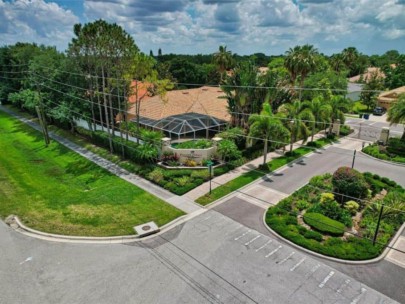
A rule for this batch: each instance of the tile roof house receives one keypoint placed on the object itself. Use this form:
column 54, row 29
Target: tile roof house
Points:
column 367, row 75
column 205, row 100
column 184, row 111
column 386, row 99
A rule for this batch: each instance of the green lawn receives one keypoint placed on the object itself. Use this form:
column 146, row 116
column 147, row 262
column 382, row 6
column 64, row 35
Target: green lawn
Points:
column 56, row 190
column 251, row 176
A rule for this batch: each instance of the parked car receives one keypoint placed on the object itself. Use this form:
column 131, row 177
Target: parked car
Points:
column 379, row 111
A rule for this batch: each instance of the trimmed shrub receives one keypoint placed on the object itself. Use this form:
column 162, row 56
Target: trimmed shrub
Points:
column 349, row 182
column 313, row 235
column 301, row 205
column 156, row 175
column 228, row 150
column 324, row 224
column 352, row 207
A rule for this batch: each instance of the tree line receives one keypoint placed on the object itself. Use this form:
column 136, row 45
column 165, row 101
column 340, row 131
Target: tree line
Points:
column 103, row 67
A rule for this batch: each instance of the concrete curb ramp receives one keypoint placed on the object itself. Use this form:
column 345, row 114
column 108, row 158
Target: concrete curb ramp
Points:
column 15, row 223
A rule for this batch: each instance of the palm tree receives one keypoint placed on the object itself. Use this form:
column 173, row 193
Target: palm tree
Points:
column 339, row 105
column 350, row 55
column 297, row 120
column 223, row 59
column 265, row 125
column 321, row 112
column 300, row 61
column 396, row 113
column 337, row 62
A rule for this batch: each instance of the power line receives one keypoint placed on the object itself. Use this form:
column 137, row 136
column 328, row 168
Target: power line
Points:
column 223, row 85
column 237, row 190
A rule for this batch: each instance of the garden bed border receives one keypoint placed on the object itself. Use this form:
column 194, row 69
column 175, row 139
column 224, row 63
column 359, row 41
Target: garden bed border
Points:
column 383, row 160
column 350, row 262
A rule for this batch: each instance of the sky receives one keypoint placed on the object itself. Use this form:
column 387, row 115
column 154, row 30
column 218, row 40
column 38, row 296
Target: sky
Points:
column 200, row 26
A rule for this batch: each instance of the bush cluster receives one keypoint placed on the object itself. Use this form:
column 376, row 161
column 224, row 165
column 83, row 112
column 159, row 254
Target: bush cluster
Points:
column 350, row 183
column 329, row 219
column 352, row 249
column 324, row 224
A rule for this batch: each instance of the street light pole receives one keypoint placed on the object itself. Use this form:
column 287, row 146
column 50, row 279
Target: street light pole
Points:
column 378, row 224
column 354, row 158
column 209, row 164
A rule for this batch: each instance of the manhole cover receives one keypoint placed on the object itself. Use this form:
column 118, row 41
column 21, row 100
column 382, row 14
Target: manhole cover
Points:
column 146, row 228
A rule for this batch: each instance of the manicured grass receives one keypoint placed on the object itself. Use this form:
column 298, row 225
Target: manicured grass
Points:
column 56, row 190
column 251, row 176
column 324, row 224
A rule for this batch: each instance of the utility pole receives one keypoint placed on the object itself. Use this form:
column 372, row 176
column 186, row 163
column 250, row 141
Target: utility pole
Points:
column 41, row 117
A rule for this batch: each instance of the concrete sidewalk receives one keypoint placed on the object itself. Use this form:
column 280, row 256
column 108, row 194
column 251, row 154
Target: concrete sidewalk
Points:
column 182, row 203
column 254, row 164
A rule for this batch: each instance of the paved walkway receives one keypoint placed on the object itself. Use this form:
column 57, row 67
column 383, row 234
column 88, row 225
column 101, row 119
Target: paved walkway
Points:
column 182, row 203
column 254, row 164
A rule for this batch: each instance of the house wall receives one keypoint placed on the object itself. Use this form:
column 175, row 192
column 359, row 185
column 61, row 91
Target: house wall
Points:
column 198, row 155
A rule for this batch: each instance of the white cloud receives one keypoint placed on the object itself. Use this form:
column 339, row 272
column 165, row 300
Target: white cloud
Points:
column 200, row 26
column 36, row 21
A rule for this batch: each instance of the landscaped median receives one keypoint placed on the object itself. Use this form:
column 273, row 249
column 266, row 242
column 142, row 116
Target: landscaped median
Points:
column 253, row 175
column 394, row 151
column 324, row 216
column 56, row 190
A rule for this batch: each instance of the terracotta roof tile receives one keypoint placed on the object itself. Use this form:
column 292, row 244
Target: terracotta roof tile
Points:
column 204, row 100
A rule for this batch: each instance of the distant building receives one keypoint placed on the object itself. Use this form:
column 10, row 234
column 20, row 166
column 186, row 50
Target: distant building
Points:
column 367, row 75
column 183, row 112
column 386, row 99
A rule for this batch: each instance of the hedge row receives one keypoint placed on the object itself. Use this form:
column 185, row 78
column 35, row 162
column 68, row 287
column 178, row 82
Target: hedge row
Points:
column 324, row 224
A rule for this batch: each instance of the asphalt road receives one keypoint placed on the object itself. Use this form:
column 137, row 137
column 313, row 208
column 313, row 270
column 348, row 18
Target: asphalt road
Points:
column 248, row 209
column 210, row 259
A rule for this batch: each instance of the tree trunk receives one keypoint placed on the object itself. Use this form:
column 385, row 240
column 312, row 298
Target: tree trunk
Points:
column 106, row 112
column 93, row 115
column 122, row 117
column 99, row 109
column 403, row 136
column 265, row 151
column 126, row 113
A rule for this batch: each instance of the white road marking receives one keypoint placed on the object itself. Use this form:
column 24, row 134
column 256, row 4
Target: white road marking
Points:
column 256, row 202
column 26, row 260
column 260, row 248
column 326, row 279
column 345, row 283
column 252, row 240
column 241, row 236
column 315, row 268
column 298, row 264
column 289, row 256
column 273, row 252
column 356, row 299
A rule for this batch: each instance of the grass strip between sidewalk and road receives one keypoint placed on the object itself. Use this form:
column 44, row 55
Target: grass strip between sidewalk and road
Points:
column 58, row 191
column 248, row 177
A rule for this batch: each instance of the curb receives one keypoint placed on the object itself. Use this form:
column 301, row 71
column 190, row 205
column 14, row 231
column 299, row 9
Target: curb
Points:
column 341, row 261
column 382, row 160
column 15, row 223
